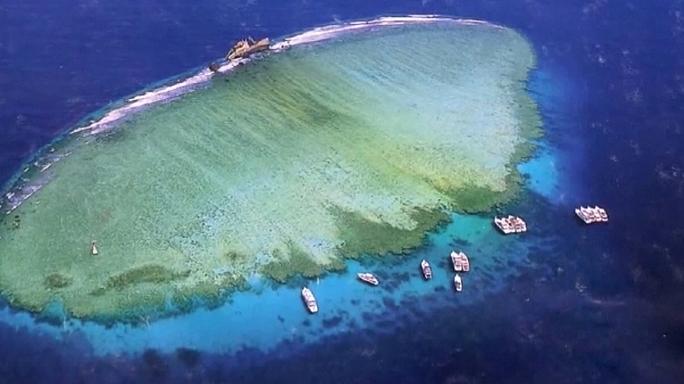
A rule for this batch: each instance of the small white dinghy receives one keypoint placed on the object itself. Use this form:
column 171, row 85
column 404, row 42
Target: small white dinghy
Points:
column 426, row 269
column 458, row 283
column 93, row 248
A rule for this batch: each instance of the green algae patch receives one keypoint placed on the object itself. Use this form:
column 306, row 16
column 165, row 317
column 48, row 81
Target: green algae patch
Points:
column 295, row 262
column 56, row 281
column 474, row 198
column 305, row 158
column 365, row 236
column 143, row 274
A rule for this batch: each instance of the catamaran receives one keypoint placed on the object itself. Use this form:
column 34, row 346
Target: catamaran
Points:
column 368, row 278
column 460, row 261
column 427, row 270
column 592, row 215
column 510, row 224
column 309, row 300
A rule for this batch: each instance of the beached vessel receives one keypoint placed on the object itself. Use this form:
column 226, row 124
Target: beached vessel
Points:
column 460, row 261
column 247, row 47
column 510, row 224
column 590, row 215
column 309, row 300
column 93, row 249
column 368, row 278
column 426, row 269
column 458, row 283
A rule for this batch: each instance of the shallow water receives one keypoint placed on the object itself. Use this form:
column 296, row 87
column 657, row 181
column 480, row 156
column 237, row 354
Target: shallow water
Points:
column 603, row 305
column 290, row 157
column 270, row 315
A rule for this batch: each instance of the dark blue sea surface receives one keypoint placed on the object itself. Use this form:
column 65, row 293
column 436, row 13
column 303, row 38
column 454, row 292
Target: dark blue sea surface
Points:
column 600, row 304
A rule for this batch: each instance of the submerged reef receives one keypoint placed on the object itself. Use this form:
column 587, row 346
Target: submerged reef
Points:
column 292, row 163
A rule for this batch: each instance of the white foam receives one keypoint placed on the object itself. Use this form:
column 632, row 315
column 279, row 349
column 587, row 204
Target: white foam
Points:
column 169, row 92
column 17, row 198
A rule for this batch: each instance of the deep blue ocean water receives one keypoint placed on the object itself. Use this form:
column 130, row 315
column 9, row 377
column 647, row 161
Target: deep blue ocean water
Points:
column 598, row 305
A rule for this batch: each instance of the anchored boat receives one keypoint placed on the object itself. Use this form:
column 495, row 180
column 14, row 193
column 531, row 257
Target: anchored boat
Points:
column 510, row 224
column 93, row 248
column 592, row 215
column 247, row 47
column 460, row 261
column 427, row 270
column 368, row 278
column 309, row 300
column 458, row 283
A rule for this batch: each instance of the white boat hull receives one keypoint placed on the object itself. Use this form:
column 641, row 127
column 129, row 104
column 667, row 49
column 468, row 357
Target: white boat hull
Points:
column 458, row 283
column 426, row 269
column 368, row 278
column 309, row 300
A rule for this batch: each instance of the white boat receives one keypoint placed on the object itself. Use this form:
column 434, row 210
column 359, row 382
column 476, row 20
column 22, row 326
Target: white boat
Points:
column 580, row 214
column 602, row 214
column 309, row 300
column 93, row 249
column 590, row 215
column 465, row 263
column 458, row 283
column 510, row 224
column 460, row 261
column 368, row 278
column 583, row 215
column 456, row 261
column 502, row 225
column 427, row 270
